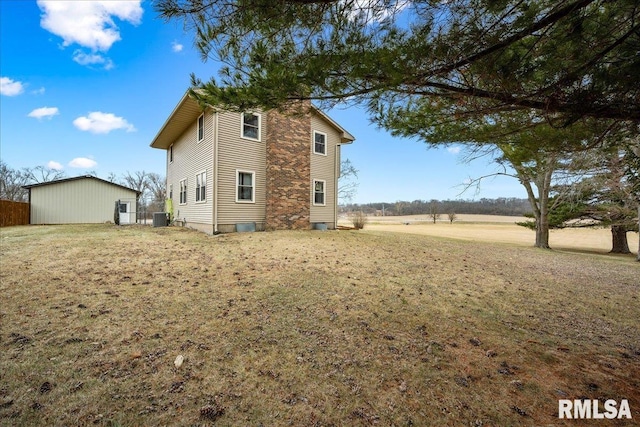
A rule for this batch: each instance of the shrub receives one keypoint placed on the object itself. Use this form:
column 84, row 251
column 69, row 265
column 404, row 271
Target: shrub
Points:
column 359, row 220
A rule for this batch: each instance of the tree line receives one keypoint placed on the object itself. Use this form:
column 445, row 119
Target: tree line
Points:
column 508, row 206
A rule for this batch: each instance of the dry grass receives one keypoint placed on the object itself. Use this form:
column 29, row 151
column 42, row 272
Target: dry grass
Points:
column 306, row 328
column 500, row 229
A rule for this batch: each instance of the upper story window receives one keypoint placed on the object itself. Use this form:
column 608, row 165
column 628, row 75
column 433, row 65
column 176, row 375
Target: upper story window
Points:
column 201, row 127
column 201, row 187
column 171, row 191
column 246, row 186
column 171, row 153
column 319, row 143
column 183, row 192
column 318, row 192
column 251, row 126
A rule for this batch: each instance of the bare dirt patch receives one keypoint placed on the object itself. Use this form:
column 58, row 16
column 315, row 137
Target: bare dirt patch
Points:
column 306, row 328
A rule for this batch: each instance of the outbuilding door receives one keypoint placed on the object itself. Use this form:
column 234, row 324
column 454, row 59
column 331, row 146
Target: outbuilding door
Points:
column 125, row 209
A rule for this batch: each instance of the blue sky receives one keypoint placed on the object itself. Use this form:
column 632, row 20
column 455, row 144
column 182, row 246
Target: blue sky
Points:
column 87, row 85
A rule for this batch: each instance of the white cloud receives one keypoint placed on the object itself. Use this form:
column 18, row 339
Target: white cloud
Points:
column 54, row 165
column 176, row 47
column 99, row 122
column 454, row 149
column 92, row 59
column 88, row 23
column 44, row 112
column 83, row 163
column 9, row 87
column 38, row 91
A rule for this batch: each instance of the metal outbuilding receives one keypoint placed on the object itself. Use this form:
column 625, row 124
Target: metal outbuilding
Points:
column 81, row 200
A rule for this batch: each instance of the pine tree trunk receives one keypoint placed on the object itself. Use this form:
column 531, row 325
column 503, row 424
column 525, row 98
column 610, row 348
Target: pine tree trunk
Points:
column 542, row 232
column 542, row 220
column 620, row 243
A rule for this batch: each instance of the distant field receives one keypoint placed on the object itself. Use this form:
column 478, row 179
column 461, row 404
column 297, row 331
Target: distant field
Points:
column 499, row 229
column 336, row 328
column 462, row 218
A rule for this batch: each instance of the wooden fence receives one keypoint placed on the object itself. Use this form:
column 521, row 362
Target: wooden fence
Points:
column 13, row 213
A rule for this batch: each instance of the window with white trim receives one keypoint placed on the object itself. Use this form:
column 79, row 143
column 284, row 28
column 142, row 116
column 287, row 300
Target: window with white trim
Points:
column 201, row 127
column 251, row 126
column 245, row 181
column 319, row 143
column 201, row 187
column 171, row 153
column 319, row 192
column 171, row 191
column 183, row 192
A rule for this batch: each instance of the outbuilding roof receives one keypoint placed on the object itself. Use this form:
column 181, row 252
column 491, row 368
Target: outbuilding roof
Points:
column 75, row 178
column 188, row 110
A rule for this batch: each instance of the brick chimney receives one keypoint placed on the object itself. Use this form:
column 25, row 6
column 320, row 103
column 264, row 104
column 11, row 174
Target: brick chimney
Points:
column 288, row 147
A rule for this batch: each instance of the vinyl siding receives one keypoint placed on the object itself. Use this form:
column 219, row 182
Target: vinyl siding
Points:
column 82, row 201
column 236, row 153
column 191, row 157
column 324, row 168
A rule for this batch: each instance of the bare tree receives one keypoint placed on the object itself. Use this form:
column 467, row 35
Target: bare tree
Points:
column 137, row 181
column 452, row 216
column 11, row 183
column 347, row 184
column 40, row 174
column 112, row 177
column 157, row 187
column 401, row 207
column 434, row 210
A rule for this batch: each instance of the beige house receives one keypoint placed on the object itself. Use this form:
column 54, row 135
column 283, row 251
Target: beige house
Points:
column 81, row 200
column 231, row 171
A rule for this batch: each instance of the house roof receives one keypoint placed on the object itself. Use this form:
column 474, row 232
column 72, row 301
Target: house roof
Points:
column 346, row 137
column 183, row 115
column 75, row 178
column 188, row 110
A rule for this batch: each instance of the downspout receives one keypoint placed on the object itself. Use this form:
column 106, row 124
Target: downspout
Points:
column 215, row 175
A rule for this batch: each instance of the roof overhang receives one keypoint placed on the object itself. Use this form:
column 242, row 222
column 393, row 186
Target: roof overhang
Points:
column 183, row 115
column 345, row 137
column 76, row 178
column 188, row 110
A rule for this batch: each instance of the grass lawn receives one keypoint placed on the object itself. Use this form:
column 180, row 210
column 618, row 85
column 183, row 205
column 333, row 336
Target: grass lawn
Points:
column 307, row 328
